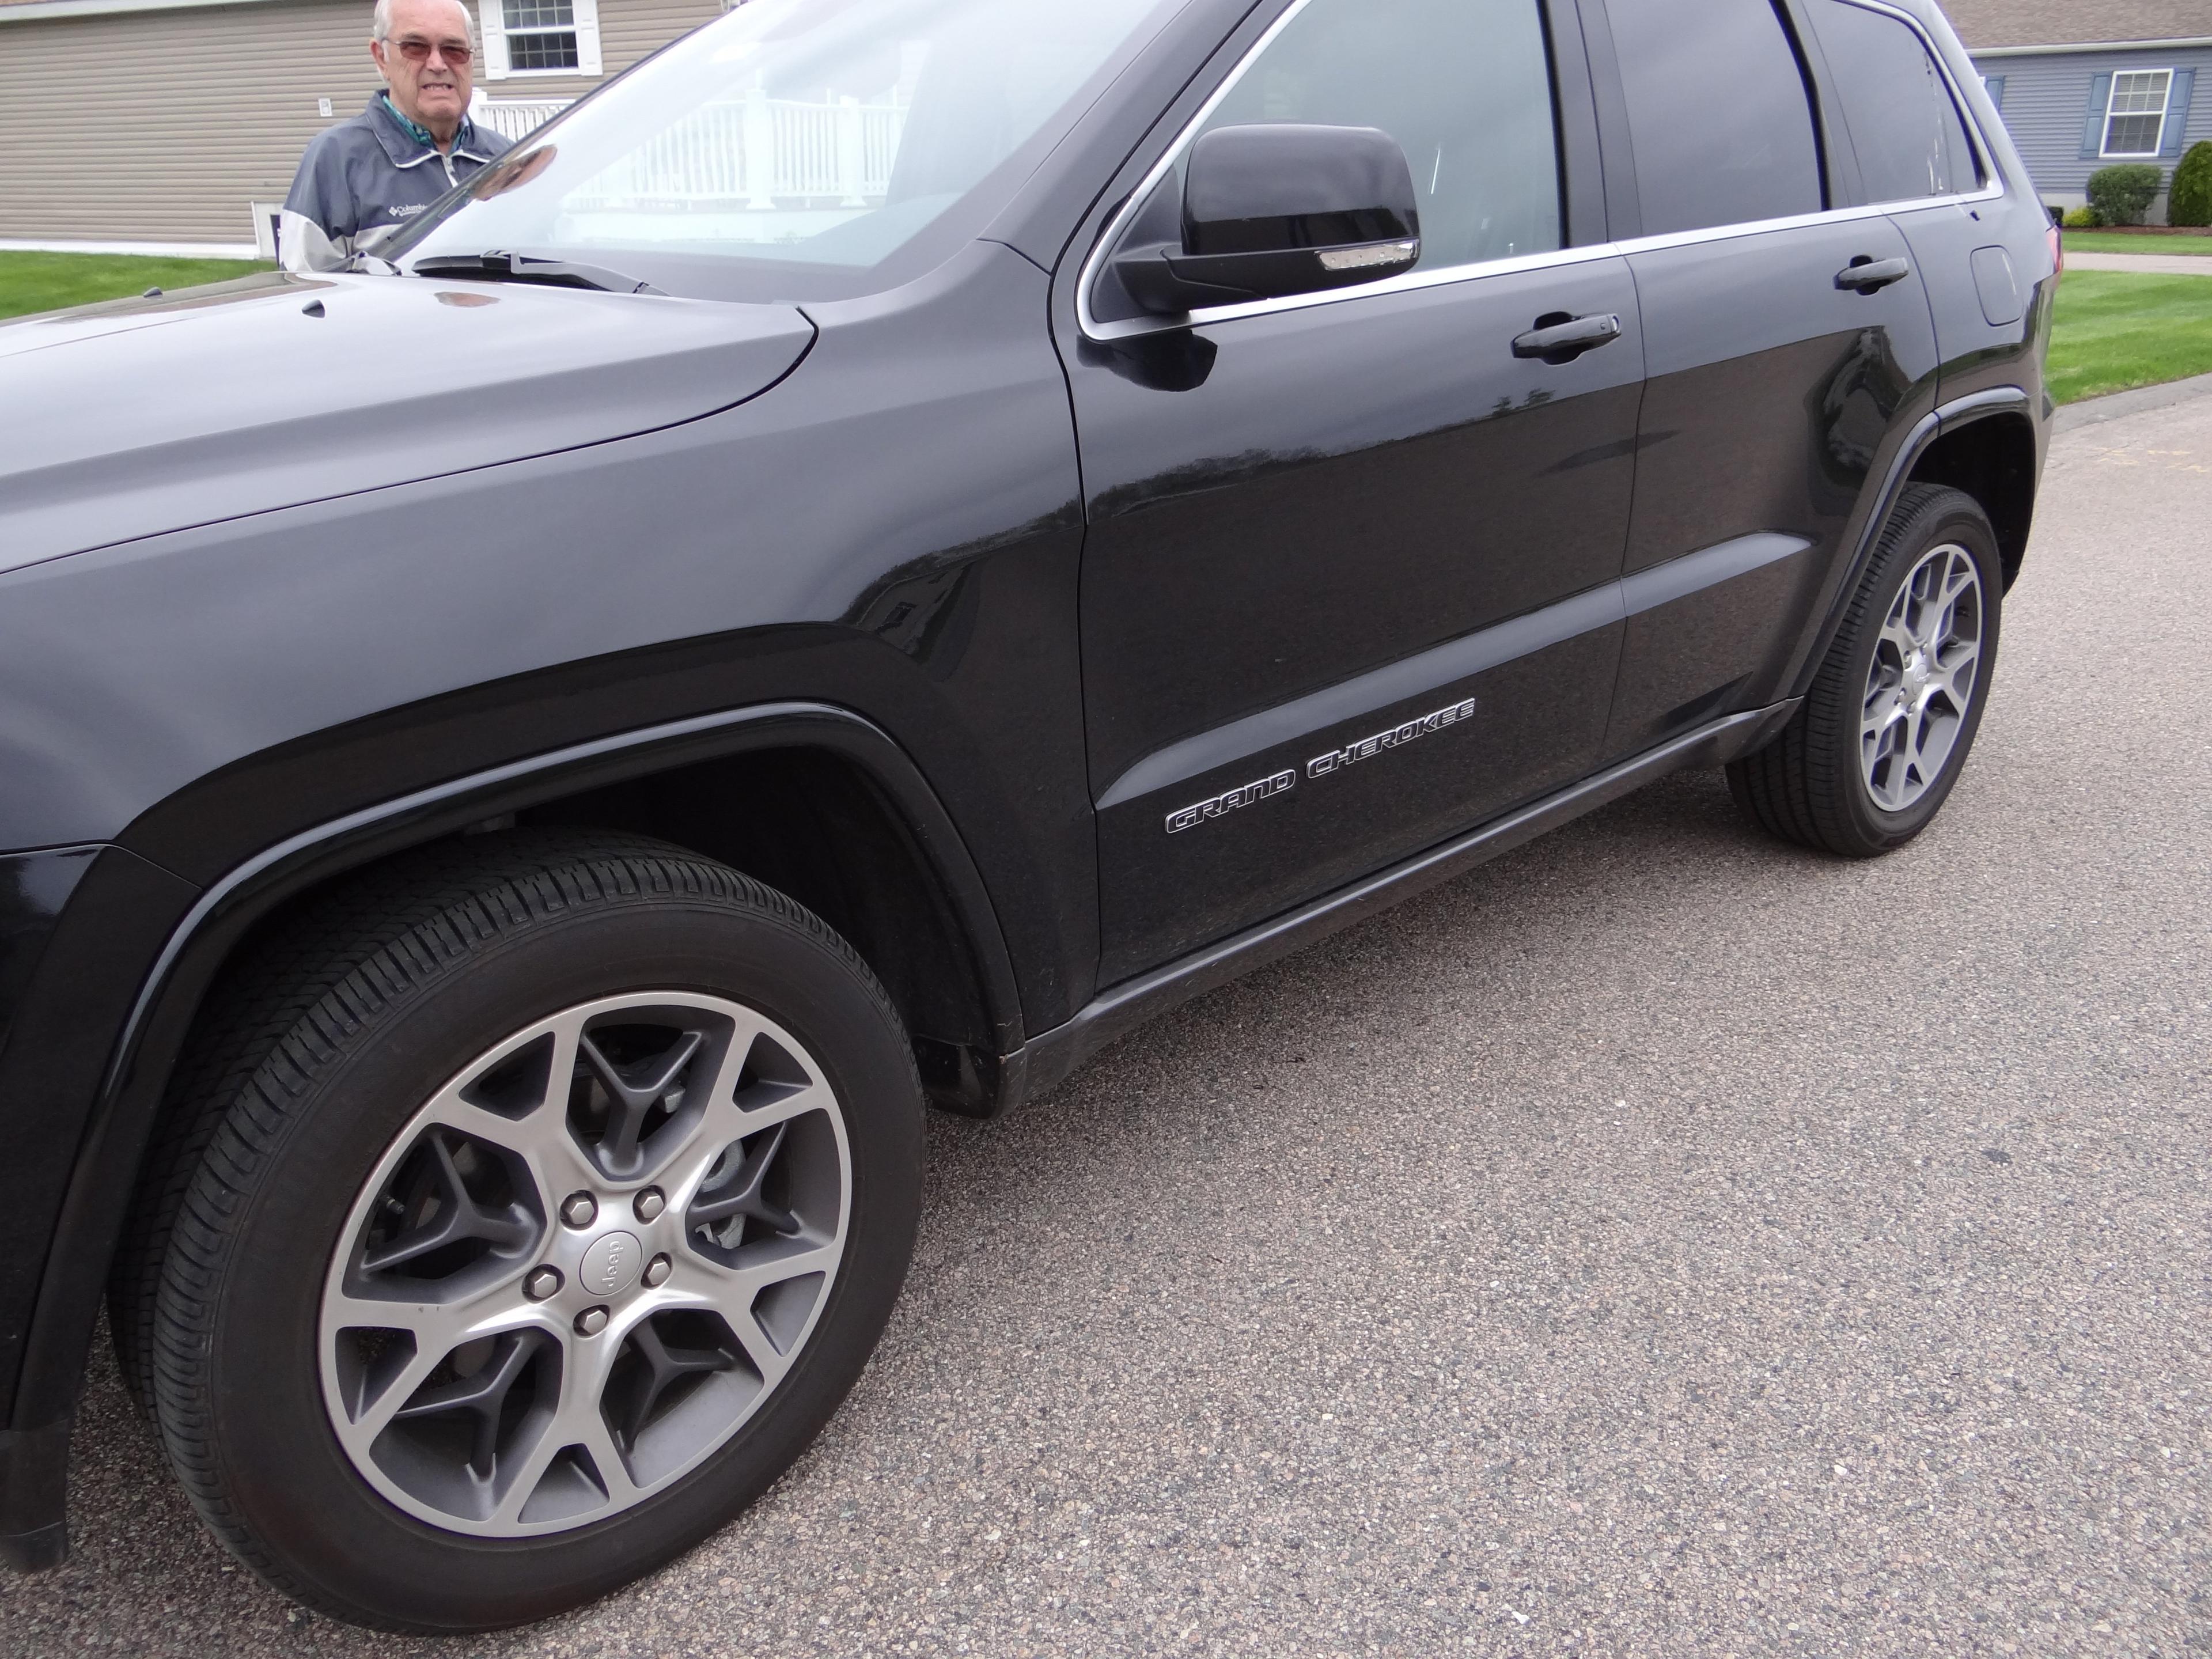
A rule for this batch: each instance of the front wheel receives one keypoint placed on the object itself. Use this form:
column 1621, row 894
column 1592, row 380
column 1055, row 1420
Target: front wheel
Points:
column 573, row 1186
column 1871, row 756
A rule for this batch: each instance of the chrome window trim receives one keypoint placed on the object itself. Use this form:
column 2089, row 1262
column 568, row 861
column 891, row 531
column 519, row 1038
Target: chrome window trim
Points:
column 1410, row 282
column 1442, row 275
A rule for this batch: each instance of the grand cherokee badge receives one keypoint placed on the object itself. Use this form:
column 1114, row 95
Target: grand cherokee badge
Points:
column 1230, row 801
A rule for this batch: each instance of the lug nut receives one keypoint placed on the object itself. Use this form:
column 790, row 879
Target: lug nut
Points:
column 542, row 1283
column 578, row 1209
column 657, row 1271
column 650, row 1203
column 591, row 1322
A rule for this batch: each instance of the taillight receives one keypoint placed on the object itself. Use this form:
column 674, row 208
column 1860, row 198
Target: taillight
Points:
column 2057, row 252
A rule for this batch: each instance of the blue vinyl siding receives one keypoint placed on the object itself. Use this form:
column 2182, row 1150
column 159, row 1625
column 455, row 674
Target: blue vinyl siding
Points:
column 2046, row 108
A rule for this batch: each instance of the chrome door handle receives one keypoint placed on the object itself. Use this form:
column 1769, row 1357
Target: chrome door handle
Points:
column 1559, row 338
column 1867, row 275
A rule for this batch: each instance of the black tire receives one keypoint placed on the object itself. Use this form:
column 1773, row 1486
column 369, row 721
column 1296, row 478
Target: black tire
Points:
column 322, row 1057
column 1809, row 785
column 244, row 1017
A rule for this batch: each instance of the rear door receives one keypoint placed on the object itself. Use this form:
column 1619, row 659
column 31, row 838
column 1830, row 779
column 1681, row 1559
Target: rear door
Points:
column 1348, row 584
column 1788, row 347
column 1982, row 253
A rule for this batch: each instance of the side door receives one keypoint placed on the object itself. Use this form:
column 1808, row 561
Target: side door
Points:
column 1983, row 253
column 1348, row 584
column 1788, row 347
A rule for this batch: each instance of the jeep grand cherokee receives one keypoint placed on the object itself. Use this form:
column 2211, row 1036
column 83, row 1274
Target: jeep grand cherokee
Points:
column 894, row 541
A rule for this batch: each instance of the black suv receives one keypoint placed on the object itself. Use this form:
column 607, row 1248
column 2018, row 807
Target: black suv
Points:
column 895, row 541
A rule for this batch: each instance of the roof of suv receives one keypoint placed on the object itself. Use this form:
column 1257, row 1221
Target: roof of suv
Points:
column 1984, row 23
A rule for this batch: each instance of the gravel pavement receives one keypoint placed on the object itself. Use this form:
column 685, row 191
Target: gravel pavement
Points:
column 1659, row 1242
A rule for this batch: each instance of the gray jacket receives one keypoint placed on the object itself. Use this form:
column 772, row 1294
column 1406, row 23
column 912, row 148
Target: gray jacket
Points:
column 378, row 169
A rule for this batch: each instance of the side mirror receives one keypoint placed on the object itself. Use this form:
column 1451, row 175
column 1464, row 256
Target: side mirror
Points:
column 1278, row 209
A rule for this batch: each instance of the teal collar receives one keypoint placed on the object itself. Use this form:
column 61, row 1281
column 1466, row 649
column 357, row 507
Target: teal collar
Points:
column 421, row 135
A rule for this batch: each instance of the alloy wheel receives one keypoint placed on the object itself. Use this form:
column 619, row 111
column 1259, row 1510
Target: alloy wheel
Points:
column 584, row 1263
column 1927, row 661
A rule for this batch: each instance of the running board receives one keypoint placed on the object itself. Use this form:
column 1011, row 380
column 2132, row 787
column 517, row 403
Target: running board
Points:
column 1049, row 1058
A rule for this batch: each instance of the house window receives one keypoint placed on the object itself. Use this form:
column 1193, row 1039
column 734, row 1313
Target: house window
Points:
column 540, row 37
column 2135, row 121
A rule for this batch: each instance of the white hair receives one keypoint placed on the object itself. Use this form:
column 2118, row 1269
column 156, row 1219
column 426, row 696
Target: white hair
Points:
column 379, row 26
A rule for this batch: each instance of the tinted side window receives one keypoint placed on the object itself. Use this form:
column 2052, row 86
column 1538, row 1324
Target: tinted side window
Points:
column 1717, row 111
column 1464, row 86
column 1910, row 140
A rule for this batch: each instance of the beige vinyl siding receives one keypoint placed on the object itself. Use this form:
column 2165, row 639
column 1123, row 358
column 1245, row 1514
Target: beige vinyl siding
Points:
column 163, row 125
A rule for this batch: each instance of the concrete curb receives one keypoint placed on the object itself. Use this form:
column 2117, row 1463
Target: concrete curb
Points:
column 2094, row 411
column 2144, row 264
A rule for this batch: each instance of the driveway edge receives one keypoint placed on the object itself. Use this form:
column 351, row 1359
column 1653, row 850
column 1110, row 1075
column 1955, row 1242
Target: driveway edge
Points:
column 2092, row 411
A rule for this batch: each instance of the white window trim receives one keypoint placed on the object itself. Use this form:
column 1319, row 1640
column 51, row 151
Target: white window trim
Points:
column 492, row 16
column 2105, row 150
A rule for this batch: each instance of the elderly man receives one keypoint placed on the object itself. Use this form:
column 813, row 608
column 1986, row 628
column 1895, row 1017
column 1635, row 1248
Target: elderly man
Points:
column 413, row 144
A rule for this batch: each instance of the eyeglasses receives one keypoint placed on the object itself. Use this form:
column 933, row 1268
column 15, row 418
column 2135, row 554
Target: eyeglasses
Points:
column 416, row 50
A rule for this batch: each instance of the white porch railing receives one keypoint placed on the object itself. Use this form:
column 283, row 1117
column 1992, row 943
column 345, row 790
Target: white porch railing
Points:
column 515, row 118
column 758, row 152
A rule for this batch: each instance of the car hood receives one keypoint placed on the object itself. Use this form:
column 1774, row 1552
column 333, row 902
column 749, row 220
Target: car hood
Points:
column 126, row 420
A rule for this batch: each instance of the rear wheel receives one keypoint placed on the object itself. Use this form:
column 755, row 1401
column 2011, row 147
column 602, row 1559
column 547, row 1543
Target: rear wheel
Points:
column 548, row 1232
column 1875, row 751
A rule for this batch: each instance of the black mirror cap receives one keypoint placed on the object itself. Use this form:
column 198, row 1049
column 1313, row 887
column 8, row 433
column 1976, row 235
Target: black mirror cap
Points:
column 1269, row 211
column 1274, row 188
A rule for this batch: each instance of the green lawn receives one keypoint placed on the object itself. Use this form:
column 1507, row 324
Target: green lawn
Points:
column 2118, row 242
column 47, row 282
column 2114, row 330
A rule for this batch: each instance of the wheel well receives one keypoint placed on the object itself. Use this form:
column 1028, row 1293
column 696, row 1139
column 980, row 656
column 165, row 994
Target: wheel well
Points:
column 814, row 825
column 1993, row 460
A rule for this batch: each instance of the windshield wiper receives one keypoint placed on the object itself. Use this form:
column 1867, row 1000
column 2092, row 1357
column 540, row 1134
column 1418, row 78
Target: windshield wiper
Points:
column 499, row 266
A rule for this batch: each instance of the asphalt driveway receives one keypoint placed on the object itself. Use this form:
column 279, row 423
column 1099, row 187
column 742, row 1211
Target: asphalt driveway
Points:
column 1660, row 1242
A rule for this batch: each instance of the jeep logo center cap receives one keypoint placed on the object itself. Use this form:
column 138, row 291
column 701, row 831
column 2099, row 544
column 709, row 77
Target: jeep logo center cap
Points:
column 611, row 1266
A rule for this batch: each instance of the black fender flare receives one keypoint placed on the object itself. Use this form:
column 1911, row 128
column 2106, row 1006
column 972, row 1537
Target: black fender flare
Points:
column 1944, row 418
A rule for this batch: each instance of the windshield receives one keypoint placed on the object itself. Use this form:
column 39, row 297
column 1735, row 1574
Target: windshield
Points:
column 795, row 148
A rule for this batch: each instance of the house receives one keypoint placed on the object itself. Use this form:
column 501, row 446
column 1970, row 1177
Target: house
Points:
column 2083, row 84
column 161, row 122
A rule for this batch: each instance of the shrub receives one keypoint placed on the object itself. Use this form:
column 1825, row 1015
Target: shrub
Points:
column 2082, row 218
column 2189, row 197
column 2120, row 194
